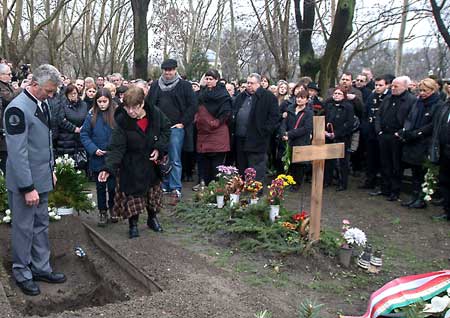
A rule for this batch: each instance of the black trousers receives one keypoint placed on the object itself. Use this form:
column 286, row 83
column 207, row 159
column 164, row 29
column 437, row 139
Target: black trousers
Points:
column 373, row 160
column 256, row 160
column 297, row 171
column 339, row 166
column 391, row 155
column 210, row 161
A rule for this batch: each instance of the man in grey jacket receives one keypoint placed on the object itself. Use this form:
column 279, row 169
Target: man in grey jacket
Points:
column 30, row 178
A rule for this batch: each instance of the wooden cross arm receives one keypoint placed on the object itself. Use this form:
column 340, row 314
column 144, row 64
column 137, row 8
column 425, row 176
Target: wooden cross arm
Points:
column 318, row 152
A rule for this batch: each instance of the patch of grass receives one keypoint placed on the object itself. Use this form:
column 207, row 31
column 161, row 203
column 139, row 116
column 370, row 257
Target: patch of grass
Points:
column 395, row 221
column 326, row 286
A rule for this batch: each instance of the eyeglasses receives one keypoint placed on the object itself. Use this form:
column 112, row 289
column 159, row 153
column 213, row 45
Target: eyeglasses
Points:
column 360, row 80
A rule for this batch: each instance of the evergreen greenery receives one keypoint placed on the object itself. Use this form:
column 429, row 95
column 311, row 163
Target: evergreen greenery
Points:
column 3, row 194
column 249, row 224
column 309, row 309
column 71, row 187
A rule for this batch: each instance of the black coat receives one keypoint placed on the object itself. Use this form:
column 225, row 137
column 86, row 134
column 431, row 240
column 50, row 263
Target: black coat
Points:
column 70, row 116
column 185, row 100
column 372, row 108
column 341, row 116
column 263, row 120
column 439, row 122
column 405, row 102
column 301, row 135
column 130, row 149
column 418, row 139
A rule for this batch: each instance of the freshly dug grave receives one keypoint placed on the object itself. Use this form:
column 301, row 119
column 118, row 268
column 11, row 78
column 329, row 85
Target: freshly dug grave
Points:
column 93, row 280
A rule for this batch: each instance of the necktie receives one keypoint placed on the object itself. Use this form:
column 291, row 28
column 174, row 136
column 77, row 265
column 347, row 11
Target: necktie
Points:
column 46, row 111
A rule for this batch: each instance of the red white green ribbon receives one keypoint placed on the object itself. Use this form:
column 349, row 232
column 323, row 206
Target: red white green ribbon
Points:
column 404, row 291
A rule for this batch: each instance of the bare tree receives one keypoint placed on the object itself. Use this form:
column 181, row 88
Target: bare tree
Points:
column 273, row 23
column 438, row 11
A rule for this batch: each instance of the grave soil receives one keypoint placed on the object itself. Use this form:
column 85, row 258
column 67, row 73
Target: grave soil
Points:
column 206, row 275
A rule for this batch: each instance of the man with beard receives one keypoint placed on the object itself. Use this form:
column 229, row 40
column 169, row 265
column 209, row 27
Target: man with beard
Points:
column 176, row 99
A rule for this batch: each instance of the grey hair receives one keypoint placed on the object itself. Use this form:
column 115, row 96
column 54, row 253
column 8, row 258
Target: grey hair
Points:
column 256, row 76
column 4, row 68
column 46, row 73
column 141, row 82
column 405, row 79
column 117, row 75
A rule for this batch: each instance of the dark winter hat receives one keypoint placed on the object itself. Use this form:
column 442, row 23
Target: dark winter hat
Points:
column 169, row 63
column 313, row 85
column 121, row 89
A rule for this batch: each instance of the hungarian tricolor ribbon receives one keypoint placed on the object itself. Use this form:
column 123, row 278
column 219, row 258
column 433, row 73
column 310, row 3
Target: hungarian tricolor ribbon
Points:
column 404, row 291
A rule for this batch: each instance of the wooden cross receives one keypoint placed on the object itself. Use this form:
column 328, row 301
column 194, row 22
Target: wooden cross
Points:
column 317, row 153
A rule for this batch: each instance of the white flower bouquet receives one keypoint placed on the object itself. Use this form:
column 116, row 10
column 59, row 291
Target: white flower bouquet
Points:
column 355, row 237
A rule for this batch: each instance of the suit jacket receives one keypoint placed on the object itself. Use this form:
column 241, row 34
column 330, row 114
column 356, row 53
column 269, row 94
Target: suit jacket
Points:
column 29, row 141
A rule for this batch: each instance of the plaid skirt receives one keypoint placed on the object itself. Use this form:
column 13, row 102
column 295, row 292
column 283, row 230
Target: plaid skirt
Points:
column 127, row 206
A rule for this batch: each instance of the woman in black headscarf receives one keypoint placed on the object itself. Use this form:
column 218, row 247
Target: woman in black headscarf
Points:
column 214, row 111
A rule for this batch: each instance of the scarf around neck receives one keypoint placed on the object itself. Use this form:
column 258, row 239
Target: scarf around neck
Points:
column 168, row 85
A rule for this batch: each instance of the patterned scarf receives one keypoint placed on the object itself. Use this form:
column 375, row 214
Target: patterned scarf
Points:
column 168, row 85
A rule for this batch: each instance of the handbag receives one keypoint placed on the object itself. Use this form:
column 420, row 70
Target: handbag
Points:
column 164, row 165
column 81, row 160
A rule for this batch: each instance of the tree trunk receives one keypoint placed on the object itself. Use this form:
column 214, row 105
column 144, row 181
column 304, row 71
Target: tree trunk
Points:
column 236, row 73
column 401, row 39
column 140, row 9
column 342, row 29
column 439, row 22
column 309, row 64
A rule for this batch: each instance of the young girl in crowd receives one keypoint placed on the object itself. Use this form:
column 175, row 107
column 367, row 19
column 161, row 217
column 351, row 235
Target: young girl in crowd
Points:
column 95, row 136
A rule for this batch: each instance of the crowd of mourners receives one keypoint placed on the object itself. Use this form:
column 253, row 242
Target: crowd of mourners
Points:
column 139, row 139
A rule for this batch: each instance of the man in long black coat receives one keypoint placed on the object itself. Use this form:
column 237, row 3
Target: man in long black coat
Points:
column 256, row 117
column 391, row 118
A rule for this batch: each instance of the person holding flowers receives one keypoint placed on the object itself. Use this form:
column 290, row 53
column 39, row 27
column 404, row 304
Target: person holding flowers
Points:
column 296, row 130
column 95, row 136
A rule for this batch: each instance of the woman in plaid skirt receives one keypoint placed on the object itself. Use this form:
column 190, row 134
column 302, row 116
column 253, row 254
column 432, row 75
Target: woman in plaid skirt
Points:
column 139, row 139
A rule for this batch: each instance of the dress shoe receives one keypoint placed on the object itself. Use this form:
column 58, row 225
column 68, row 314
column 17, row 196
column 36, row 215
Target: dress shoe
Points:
column 29, row 287
column 418, row 204
column 441, row 217
column 393, row 197
column 438, row 202
column 52, row 278
column 341, row 188
column 409, row 202
column 153, row 223
column 379, row 192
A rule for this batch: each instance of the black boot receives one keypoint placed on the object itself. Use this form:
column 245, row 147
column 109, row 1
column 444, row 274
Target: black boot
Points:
column 414, row 198
column 153, row 222
column 133, row 221
column 418, row 204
